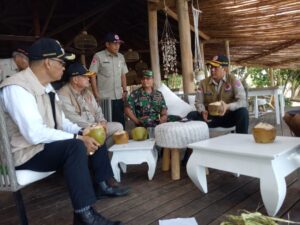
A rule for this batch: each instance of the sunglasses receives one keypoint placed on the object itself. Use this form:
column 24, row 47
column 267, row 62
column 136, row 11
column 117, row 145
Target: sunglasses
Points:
column 62, row 62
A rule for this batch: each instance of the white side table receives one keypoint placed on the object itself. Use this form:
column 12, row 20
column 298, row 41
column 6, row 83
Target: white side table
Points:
column 133, row 153
column 238, row 153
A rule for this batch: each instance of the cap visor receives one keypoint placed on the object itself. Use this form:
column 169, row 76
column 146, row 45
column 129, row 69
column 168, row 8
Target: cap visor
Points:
column 69, row 56
column 213, row 63
column 119, row 41
column 90, row 74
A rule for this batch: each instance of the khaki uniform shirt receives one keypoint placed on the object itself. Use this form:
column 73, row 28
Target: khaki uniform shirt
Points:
column 8, row 67
column 82, row 109
column 229, row 89
column 109, row 68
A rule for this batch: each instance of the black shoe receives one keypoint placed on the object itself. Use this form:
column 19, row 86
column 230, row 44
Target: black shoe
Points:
column 103, row 190
column 91, row 217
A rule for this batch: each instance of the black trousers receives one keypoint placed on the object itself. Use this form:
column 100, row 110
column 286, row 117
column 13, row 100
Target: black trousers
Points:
column 238, row 118
column 118, row 111
column 70, row 157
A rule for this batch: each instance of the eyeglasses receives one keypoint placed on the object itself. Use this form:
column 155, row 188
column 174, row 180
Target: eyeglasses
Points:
column 62, row 62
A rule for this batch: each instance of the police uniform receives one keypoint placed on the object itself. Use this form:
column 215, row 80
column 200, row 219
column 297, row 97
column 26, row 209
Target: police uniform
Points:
column 109, row 68
column 228, row 89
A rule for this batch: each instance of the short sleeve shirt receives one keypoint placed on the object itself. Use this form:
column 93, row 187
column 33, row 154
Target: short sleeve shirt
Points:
column 109, row 68
column 147, row 107
column 8, row 67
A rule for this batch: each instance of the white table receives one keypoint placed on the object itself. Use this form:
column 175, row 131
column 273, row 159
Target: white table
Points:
column 278, row 99
column 135, row 152
column 238, row 153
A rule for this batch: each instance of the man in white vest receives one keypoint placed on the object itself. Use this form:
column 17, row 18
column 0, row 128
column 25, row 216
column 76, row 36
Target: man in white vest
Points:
column 41, row 137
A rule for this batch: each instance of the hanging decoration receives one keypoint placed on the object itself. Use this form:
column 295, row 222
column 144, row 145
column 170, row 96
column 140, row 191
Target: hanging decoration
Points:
column 85, row 41
column 198, row 58
column 168, row 49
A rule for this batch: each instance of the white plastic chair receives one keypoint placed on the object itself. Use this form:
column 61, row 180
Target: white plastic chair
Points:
column 14, row 180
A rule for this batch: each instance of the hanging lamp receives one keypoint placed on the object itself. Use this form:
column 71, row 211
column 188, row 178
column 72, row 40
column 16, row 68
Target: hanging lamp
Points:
column 85, row 41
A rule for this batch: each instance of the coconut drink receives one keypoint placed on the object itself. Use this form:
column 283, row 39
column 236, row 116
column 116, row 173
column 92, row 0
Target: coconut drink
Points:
column 139, row 133
column 264, row 133
column 120, row 137
column 215, row 108
column 97, row 132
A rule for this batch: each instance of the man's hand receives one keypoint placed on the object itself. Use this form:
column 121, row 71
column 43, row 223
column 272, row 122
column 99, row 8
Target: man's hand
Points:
column 163, row 119
column 224, row 107
column 90, row 143
column 124, row 95
column 205, row 116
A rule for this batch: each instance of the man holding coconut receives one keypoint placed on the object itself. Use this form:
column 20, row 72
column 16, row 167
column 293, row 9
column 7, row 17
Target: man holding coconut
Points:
column 227, row 95
column 42, row 139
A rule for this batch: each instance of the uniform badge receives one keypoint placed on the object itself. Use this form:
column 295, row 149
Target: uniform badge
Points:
column 227, row 87
column 238, row 84
column 94, row 61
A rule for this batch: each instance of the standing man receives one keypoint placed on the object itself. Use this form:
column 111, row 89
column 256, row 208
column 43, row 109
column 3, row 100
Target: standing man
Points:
column 111, row 70
column 10, row 66
column 42, row 139
column 145, row 106
column 224, row 87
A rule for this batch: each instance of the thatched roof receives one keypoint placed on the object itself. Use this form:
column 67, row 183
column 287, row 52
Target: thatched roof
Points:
column 260, row 32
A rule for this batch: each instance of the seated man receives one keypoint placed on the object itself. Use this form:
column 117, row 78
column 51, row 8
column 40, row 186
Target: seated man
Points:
column 221, row 86
column 42, row 139
column 145, row 106
column 80, row 106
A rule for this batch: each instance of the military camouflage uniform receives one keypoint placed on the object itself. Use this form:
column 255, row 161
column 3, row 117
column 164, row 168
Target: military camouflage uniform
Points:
column 147, row 107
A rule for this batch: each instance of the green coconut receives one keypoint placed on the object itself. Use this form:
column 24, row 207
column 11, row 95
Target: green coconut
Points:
column 139, row 133
column 98, row 133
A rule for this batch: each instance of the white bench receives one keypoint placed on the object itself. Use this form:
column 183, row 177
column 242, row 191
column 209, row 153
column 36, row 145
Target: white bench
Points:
column 238, row 153
column 133, row 153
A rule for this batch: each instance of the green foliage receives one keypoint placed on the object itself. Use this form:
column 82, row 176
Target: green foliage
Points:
column 174, row 81
column 259, row 77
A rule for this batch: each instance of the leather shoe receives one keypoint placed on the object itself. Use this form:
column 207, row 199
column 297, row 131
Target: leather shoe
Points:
column 91, row 217
column 103, row 190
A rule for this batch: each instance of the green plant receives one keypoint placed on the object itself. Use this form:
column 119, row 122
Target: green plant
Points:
column 174, row 81
column 255, row 218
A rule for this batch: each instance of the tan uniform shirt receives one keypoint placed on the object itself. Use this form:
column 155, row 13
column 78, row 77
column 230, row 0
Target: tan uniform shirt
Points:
column 109, row 68
column 229, row 89
column 8, row 67
column 82, row 109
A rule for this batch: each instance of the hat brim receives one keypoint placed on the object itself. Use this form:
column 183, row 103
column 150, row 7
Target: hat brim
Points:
column 68, row 57
column 89, row 74
column 214, row 63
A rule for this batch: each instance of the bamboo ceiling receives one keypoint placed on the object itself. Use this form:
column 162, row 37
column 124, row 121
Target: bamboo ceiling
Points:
column 260, row 32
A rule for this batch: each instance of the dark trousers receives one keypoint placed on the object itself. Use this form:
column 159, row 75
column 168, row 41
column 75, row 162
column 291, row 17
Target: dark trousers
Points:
column 118, row 111
column 70, row 156
column 238, row 118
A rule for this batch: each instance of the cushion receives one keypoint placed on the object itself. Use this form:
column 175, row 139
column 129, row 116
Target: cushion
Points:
column 176, row 106
column 25, row 177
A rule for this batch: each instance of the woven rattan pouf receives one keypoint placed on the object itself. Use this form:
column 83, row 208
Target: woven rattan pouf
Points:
column 173, row 136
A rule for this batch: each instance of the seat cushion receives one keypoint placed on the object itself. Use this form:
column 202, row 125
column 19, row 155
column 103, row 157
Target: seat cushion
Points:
column 176, row 106
column 25, row 177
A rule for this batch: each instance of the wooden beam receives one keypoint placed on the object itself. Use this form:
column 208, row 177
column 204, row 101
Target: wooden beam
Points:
column 172, row 14
column 83, row 17
column 8, row 37
column 36, row 19
column 270, row 51
column 48, row 18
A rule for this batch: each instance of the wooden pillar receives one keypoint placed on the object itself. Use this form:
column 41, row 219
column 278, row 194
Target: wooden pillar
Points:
column 185, row 46
column 228, row 54
column 203, row 57
column 36, row 19
column 153, row 42
column 270, row 70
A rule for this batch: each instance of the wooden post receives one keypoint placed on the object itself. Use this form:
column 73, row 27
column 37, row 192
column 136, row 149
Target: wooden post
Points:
column 203, row 57
column 228, row 54
column 185, row 46
column 166, row 160
column 270, row 70
column 153, row 42
column 175, row 164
